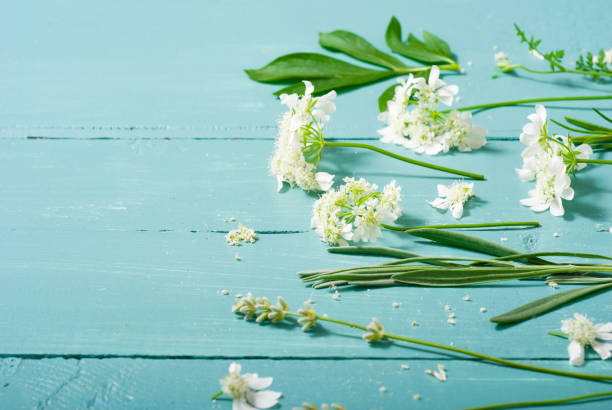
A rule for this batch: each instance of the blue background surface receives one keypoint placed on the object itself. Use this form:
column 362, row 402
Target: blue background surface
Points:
column 148, row 135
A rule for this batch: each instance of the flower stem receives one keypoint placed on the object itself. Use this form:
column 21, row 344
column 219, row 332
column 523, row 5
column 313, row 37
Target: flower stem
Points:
column 543, row 402
column 461, row 226
column 563, row 71
column 466, row 352
column 530, row 100
column 405, row 159
column 216, row 395
column 594, row 161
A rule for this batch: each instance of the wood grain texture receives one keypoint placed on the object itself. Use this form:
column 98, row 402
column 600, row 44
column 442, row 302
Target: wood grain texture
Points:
column 188, row 384
column 129, row 133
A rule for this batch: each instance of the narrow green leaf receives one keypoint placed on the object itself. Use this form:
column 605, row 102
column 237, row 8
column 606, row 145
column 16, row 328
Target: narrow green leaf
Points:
column 602, row 115
column 459, row 240
column 546, row 304
column 385, row 97
column 322, row 85
column 380, row 251
column 305, row 66
column 359, row 48
column 587, row 125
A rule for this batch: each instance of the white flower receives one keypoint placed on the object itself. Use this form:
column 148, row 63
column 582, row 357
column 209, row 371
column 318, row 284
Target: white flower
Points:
column 501, row 60
column 607, row 56
column 435, row 90
column 308, row 316
column 582, row 332
column 552, row 185
column 244, row 389
column 355, row 211
column 288, row 163
column 536, row 54
column 461, row 133
column 453, row 197
column 424, row 129
column 535, row 132
column 376, row 331
column 242, row 234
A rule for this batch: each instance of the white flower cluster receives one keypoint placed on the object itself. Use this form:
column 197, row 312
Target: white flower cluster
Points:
column 582, row 332
column 244, row 389
column 355, row 211
column 242, row 234
column 303, row 121
column 424, row 128
column 548, row 161
column 453, row 197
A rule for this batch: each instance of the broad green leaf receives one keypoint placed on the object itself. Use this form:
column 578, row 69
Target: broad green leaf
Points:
column 322, row 85
column 459, row 240
column 546, row 304
column 385, row 97
column 433, row 50
column 359, row 48
column 305, row 66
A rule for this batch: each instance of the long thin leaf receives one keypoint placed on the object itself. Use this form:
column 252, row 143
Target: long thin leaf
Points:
column 544, row 305
column 380, row 251
column 356, row 46
column 602, row 115
column 587, row 125
column 459, row 240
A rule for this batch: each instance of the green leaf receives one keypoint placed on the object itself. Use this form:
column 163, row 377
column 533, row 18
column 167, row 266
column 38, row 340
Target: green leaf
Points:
column 433, row 50
column 546, row 304
column 459, row 240
column 359, row 48
column 323, row 85
column 304, row 66
column 385, row 97
column 602, row 115
column 587, row 125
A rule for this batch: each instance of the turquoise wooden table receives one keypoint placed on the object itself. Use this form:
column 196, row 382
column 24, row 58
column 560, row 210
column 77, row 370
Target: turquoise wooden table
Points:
column 130, row 134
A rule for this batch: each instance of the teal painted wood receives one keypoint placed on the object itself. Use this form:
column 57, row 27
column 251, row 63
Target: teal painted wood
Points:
column 152, row 293
column 188, row 384
column 175, row 70
column 194, row 185
column 97, row 253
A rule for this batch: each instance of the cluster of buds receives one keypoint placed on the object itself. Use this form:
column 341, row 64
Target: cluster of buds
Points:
column 261, row 308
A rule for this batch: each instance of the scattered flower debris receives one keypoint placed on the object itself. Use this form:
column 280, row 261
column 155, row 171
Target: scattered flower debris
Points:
column 225, row 292
column 404, row 366
column 467, row 298
column 440, row 374
column 483, row 309
column 383, row 389
column 416, row 397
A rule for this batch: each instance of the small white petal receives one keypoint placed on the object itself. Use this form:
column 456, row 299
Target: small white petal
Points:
column 263, row 399
column 602, row 349
column 604, row 331
column 556, row 207
column 457, row 210
column 235, row 367
column 257, row 383
column 241, row 405
column 576, row 353
column 325, row 180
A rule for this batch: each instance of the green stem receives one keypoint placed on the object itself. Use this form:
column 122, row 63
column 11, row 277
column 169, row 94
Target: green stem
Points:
column 461, row 226
column 563, row 71
column 594, row 161
column 530, row 100
column 216, row 395
column 543, row 402
column 504, row 362
column 402, row 158
column 466, row 352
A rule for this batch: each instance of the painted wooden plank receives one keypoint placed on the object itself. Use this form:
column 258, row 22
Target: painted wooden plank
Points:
column 188, row 384
column 176, row 70
column 159, row 294
column 195, row 185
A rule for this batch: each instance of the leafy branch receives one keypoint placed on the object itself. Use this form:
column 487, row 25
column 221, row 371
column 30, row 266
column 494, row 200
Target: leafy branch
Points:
column 329, row 73
column 593, row 66
column 598, row 136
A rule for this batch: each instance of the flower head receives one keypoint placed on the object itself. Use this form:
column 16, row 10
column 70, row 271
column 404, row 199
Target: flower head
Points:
column 300, row 141
column 308, row 316
column 453, row 197
column 246, row 306
column 355, row 211
column 501, row 60
column 376, row 331
column 582, row 332
column 413, row 119
column 552, row 185
column 242, row 234
column 244, row 389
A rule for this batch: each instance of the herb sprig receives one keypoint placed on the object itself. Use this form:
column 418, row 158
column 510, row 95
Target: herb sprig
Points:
column 329, row 73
